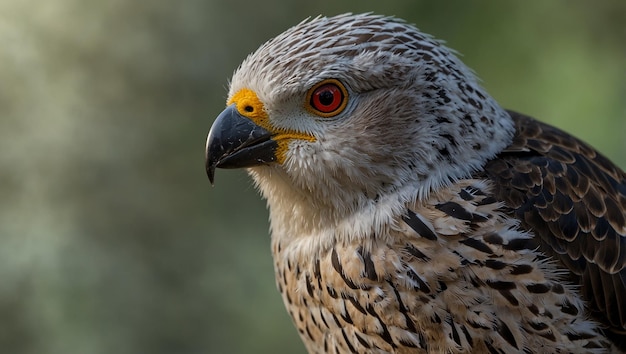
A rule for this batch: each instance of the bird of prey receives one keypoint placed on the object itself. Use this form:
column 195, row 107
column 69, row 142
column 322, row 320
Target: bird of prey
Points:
column 409, row 212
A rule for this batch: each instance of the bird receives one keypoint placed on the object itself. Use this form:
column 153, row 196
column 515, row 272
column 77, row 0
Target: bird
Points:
column 410, row 212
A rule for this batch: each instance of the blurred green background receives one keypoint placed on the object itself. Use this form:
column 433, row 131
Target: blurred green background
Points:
column 111, row 238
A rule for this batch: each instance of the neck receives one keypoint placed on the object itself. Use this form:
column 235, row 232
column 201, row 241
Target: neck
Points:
column 309, row 225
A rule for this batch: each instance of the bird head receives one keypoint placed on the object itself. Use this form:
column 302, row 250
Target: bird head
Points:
column 353, row 112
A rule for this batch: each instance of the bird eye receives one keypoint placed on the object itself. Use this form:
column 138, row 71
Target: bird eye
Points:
column 328, row 98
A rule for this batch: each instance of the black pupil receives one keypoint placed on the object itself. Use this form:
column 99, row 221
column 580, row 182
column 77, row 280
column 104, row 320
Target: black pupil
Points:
column 326, row 97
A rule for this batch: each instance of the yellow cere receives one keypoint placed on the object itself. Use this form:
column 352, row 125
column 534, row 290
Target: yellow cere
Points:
column 250, row 106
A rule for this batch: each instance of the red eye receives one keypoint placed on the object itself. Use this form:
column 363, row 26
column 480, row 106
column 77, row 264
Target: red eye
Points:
column 328, row 98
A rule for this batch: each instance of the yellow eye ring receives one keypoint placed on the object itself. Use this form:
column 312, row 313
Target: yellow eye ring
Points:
column 327, row 98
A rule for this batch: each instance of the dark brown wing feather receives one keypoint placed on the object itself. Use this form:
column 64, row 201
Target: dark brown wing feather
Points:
column 574, row 200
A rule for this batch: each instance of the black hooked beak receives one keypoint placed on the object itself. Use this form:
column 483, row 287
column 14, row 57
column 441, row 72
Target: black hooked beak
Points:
column 235, row 141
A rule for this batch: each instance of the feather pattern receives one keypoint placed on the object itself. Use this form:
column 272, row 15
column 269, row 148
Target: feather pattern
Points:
column 457, row 275
column 573, row 199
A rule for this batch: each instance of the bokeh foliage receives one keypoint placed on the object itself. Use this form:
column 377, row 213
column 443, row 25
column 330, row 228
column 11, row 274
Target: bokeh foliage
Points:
column 111, row 238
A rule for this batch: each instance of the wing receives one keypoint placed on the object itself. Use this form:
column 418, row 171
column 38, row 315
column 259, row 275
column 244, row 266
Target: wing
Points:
column 574, row 200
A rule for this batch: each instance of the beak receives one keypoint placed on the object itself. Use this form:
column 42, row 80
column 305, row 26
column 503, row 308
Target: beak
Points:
column 235, row 141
